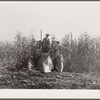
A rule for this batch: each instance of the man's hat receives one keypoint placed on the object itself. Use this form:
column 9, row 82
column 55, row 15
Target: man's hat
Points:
column 47, row 34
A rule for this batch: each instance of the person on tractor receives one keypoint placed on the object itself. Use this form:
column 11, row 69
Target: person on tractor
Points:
column 46, row 44
column 58, row 49
column 56, row 54
column 53, row 46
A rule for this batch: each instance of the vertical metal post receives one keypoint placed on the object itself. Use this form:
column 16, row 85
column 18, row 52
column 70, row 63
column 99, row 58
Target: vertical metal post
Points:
column 41, row 35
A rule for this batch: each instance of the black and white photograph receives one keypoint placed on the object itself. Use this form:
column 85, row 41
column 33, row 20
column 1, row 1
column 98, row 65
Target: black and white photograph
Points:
column 50, row 45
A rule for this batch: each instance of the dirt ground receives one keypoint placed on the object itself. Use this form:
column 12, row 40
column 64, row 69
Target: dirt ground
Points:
column 33, row 79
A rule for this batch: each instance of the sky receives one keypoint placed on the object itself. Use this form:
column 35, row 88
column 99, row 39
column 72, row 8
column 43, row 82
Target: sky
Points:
column 58, row 18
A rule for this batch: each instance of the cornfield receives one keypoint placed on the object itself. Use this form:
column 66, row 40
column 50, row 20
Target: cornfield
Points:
column 15, row 55
column 80, row 55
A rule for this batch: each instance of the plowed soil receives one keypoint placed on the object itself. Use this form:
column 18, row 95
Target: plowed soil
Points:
column 33, row 79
